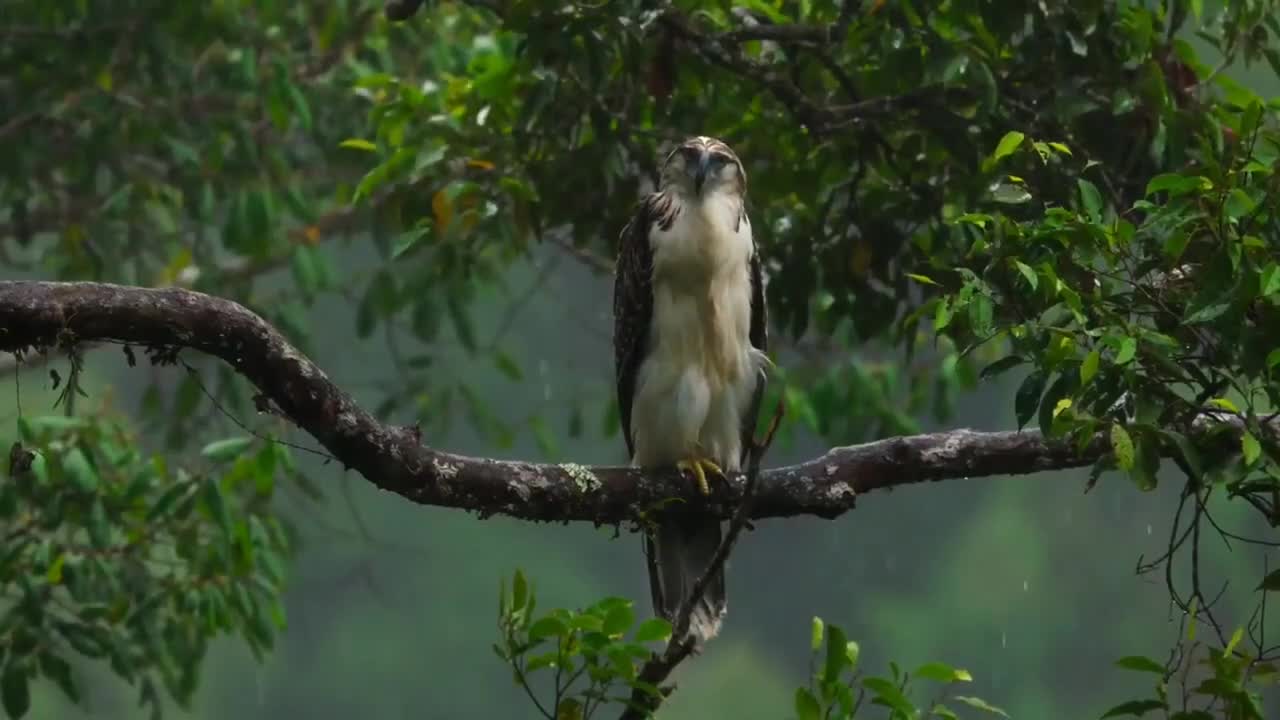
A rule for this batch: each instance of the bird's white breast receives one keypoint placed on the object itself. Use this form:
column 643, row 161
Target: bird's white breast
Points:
column 700, row 372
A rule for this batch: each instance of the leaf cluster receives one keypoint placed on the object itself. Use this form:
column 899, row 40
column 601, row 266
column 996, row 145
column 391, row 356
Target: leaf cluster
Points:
column 112, row 557
column 587, row 659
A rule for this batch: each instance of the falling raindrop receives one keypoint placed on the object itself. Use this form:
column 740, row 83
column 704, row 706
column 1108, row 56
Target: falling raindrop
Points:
column 1026, row 586
column 1004, row 639
column 1148, row 528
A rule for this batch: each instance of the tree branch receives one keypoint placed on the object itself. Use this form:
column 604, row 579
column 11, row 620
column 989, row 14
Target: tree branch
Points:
column 43, row 315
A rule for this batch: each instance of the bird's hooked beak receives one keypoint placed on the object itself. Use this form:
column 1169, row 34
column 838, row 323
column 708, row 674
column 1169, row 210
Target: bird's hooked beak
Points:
column 700, row 171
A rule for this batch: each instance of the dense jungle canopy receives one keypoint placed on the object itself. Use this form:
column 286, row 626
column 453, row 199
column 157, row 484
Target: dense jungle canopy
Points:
column 1047, row 216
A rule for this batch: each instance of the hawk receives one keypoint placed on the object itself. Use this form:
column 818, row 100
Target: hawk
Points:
column 689, row 353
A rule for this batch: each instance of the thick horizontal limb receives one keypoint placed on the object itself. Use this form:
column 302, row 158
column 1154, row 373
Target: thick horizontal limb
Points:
column 35, row 315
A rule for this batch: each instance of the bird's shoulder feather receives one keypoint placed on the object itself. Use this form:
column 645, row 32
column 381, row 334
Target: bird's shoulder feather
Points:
column 633, row 297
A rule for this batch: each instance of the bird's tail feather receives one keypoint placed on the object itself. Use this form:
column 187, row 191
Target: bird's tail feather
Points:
column 679, row 551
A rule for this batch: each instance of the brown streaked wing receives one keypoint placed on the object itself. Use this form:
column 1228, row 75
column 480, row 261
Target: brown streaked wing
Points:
column 633, row 300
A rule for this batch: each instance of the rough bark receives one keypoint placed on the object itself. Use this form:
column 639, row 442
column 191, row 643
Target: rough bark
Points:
column 37, row 315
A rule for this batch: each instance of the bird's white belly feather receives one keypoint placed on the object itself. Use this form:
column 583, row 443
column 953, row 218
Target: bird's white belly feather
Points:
column 696, row 382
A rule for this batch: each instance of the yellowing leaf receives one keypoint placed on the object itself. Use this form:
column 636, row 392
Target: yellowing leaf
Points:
column 1224, row 404
column 312, row 234
column 358, row 144
column 922, row 279
column 54, row 574
column 860, row 260
column 1122, row 445
column 442, row 207
column 175, row 266
column 1061, row 405
column 480, row 164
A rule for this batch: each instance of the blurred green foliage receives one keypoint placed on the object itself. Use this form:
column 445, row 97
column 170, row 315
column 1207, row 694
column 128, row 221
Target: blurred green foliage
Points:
column 943, row 192
column 119, row 557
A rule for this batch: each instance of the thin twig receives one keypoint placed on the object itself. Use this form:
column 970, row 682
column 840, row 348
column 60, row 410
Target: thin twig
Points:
column 682, row 644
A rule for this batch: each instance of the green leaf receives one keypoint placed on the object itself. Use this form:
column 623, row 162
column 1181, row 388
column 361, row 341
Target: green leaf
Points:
column 1007, row 145
column 1089, row 366
column 1236, row 637
column 1239, row 204
column 217, row 506
column 99, row 525
column 999, row 366
column 815, row 634
column 981, row 314
column 1027, row 398
column 1122, row 446
column 549, row 626
column 1090, row 199
column 655, row 628
column 1175, row 243
column 941, row 672
column 1176, row 184
column 548, row 445
column 981, row 704
column 837, row 660
column 1128, row 349
column 78, row 466
column 1027, row 272
column 166, row 501
column 1250, row 447
column 1269, row 280
column 1271, row 582
column 1141, row 664
column 461, row 323
column 54, row 573
column 1010, row 194
column 807, row 707
column 227, row 449
column 1137, row 708
column 921, row 278
column 890, row 695
column 587, row 622
column 305, row 267
column 507, row 365
column 14, row 691
column 1210, row 310
column 1273, row 359
column 942, row 315
column 59, row 670
column 619, row 620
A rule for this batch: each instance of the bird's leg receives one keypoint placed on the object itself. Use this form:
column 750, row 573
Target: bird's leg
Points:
column 699, row 466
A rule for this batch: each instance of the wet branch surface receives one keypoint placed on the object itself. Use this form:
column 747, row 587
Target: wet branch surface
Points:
column 45, row 315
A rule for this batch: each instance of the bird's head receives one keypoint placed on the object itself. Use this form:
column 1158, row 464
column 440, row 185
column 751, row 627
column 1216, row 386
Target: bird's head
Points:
column 704, row 166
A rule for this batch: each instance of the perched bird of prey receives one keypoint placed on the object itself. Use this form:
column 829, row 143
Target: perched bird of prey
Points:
column 689, row 351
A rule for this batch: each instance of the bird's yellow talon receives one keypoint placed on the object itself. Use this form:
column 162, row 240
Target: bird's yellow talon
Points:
column 699, row 468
